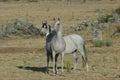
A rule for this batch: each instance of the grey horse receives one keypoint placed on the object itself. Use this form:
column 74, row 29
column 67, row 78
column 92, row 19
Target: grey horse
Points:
column 55, row 45
column 73, row 43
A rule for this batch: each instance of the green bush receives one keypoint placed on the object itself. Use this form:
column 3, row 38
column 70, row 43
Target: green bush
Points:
column 32, row 0
column 4, row 0
column 98, row 43
column 68, row 65
column 118, row 10
column 16, row 0
column 108, row 42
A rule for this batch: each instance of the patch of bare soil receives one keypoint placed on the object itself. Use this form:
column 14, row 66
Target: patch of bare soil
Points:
column 20, row 50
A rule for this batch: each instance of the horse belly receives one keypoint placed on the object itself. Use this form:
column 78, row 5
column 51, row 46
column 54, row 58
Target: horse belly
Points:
column 70, row 47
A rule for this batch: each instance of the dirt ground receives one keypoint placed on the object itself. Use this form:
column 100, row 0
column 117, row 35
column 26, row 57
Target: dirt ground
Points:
column 23, row 58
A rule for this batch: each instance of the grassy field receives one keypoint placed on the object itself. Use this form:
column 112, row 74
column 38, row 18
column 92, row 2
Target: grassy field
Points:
column 23, row 58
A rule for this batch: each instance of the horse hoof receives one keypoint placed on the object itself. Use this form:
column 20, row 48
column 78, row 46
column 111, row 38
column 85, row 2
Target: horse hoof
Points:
column 47, row 72
column 53, row 74
column 74, row 69
column 62, row 75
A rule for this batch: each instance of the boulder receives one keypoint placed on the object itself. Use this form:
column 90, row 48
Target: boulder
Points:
column 19, row 27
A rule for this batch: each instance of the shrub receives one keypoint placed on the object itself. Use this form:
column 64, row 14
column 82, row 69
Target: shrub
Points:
column 108, row 42
column 68, row 65
column 116, row 59
column 102, row 19
column 32, row 0
column 16, row 0
column 117, row 10
column 98, row 43
column 4, row 0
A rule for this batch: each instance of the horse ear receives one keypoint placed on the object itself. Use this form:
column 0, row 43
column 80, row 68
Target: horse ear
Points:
column 44, row 22
column 58, row 19
column 54, row 19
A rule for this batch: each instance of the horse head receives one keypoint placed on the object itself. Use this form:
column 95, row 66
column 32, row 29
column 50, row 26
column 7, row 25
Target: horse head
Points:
column 45, row 29
column 57, row 25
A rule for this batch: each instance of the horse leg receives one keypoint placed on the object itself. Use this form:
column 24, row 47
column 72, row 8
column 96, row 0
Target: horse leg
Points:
column 47, row 64
column 62, row 57
column 56, row 56
column 54, row 64
column 84, row 56
column 76, row 59
column 86, row 63
column 48, row 57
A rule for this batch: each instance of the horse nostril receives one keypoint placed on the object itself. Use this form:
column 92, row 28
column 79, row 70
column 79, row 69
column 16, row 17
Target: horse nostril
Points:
column 41, row 33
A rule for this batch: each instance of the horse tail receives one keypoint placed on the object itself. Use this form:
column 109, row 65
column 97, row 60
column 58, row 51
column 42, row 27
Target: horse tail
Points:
column 85, row 51
column 84, row 58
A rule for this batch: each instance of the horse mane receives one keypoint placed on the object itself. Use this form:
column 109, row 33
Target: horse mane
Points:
column 49, row 28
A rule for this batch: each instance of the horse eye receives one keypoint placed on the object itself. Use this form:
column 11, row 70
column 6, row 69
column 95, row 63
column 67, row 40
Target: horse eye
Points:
column 43, row 26
column 46, row 27
column 58, row 24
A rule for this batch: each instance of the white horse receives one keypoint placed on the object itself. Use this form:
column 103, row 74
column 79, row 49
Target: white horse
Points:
column 55, row 45
column 73, row 43
column 76, row 43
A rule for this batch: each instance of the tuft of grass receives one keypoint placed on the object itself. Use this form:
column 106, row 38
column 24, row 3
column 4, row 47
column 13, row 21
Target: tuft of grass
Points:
column 98, row 43
column 116, row 59
column 105, row 74
column 32, row 0
column 108, row 42
column 104, row 61
column 4, row 0
column 68, row 66
column 93, row 67
column 117, row 10
column 16, row 0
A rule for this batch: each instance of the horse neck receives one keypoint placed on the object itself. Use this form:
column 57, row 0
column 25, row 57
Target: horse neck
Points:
column 59, row 34
column 47, row 34
column 59, row 30
column 48, row 31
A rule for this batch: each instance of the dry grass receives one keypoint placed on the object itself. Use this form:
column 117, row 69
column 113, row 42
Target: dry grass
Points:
column 25, row 59
column 70, row 14
column 28, row 62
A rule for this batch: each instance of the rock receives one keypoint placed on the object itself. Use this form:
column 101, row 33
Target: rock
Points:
column 96, row 32
column 19, row 27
